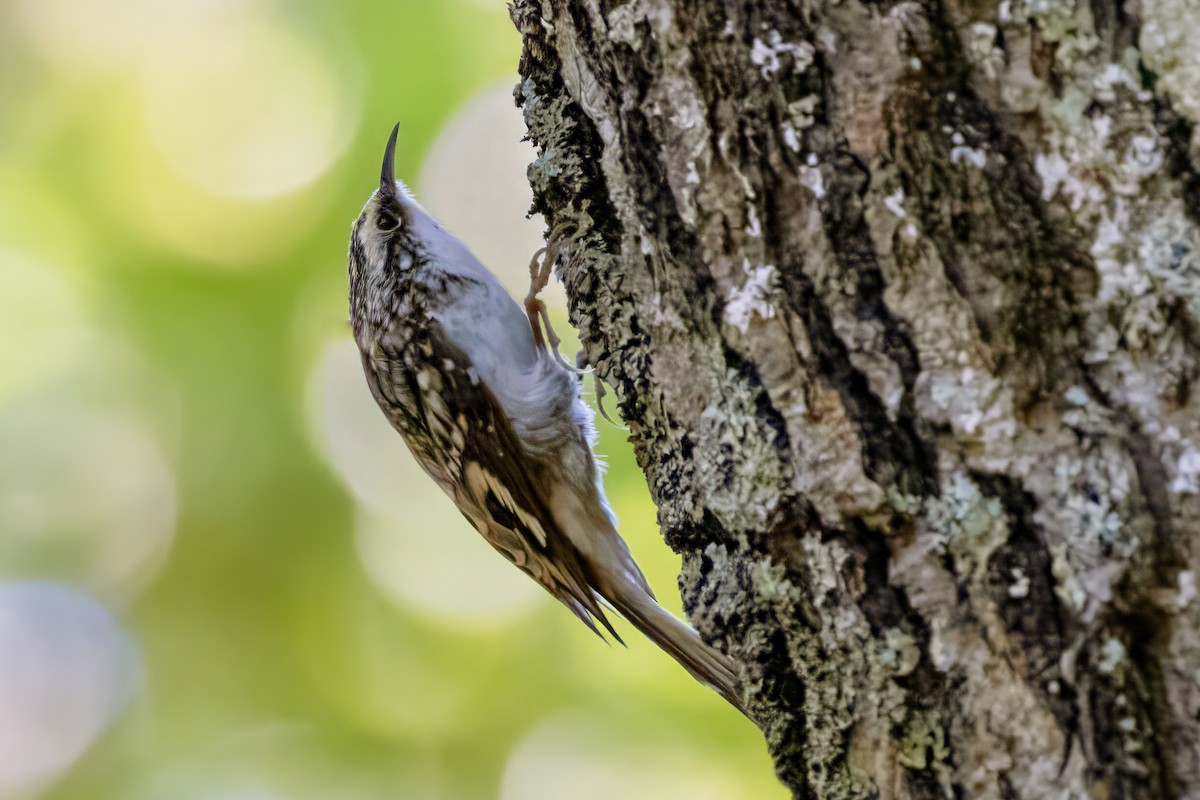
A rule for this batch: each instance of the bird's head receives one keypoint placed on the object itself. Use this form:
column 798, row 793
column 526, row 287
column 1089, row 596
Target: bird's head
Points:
column 393, row 240
column 391, row 234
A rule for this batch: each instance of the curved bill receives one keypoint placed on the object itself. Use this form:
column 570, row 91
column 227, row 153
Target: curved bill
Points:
column 387, row 176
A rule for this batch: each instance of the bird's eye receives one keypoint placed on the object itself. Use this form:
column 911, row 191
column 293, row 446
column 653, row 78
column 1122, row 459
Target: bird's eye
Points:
column 387, row 221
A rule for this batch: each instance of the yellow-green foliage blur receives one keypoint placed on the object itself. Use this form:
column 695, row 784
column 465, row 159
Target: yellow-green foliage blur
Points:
column 221, row 576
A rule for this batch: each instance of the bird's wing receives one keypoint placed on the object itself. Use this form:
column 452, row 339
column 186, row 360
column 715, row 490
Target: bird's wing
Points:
column 455, row 422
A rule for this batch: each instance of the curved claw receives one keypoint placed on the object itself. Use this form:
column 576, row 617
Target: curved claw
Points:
column 600, row 393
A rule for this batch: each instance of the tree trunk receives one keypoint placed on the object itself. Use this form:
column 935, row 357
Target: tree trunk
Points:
column 901, row 304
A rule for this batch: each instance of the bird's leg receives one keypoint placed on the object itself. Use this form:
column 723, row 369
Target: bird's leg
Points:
column 534, row 306
column 540, row 268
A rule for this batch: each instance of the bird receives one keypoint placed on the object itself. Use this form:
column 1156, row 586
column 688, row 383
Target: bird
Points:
column 497, row 420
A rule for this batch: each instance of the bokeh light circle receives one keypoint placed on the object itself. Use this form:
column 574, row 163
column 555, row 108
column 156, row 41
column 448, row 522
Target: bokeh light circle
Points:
column 41, row 322
column 85, row 496
column 250, row 111
column 569, row 756
column 283, row 760
column 66, row 669
column 84, row 34
column 443, row 571
column 473, row 180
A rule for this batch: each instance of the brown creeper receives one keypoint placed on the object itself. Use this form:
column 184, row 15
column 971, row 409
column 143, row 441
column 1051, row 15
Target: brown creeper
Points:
column 463, row 373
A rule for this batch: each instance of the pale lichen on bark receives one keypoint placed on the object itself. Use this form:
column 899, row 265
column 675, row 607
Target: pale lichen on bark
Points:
column 901, row 302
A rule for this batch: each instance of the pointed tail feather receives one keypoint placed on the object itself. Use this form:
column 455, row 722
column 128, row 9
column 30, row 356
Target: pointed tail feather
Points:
column 706, row 664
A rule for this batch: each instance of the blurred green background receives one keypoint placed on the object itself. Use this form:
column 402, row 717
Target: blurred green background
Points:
column 221, row 576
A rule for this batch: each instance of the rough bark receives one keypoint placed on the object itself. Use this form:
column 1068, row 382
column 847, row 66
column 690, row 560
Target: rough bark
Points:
column 901, row 304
